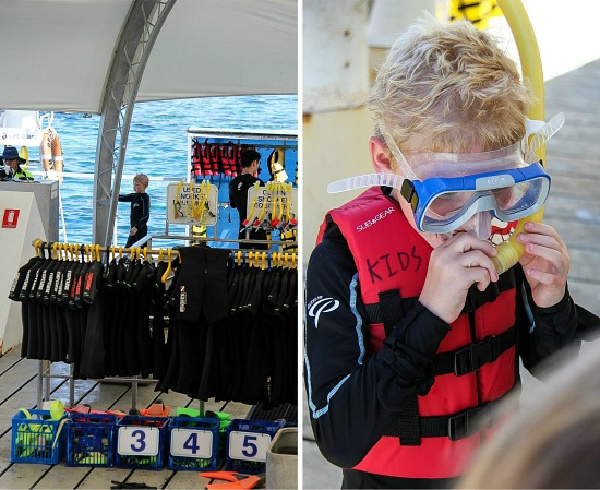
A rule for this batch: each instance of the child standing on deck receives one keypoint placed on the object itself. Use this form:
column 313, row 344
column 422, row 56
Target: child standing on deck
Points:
column 140, row 209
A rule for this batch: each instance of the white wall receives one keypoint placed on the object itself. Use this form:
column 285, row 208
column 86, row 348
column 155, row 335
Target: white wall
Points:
column 16, row 249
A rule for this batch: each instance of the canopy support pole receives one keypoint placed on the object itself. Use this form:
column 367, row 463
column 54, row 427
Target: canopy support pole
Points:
column 133, row 49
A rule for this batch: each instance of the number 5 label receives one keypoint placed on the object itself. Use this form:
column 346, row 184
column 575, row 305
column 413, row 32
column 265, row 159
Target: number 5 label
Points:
column 192, row 443
column 249, row 446
column 138, row 441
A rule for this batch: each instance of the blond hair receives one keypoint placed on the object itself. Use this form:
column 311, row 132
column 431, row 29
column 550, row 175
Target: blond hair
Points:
column 142, row 179
column 552, row 442
column 452, row 86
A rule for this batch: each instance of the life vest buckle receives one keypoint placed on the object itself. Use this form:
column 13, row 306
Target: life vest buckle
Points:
column 471, row 357
column 464, row 424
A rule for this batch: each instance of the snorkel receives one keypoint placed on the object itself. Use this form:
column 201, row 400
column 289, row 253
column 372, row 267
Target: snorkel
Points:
column 509, row 252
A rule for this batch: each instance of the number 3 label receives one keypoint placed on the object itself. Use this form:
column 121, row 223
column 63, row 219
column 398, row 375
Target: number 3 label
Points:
column 192, row 443
column 138, row 441
column 249, row 446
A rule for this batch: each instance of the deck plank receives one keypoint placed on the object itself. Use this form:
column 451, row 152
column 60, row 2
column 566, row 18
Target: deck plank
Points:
column 23, row 476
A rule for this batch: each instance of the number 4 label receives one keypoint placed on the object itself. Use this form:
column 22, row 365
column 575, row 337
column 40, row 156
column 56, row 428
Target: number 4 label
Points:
column 249, row 446
column 138, row 441
column 192, row 443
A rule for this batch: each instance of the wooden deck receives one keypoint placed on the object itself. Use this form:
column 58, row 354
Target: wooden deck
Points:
column 573, row 162
column 18, row 389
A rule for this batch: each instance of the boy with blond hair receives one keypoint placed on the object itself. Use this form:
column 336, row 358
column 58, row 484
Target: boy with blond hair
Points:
column 140, row 209
column 411, row 334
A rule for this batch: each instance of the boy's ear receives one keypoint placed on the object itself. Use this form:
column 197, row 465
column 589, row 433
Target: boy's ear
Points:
column 380, row 156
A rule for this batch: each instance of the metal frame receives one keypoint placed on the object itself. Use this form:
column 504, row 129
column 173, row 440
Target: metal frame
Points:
column 139, row 32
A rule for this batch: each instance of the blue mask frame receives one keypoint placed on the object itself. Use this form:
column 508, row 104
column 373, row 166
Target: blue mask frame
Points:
column 421, row 194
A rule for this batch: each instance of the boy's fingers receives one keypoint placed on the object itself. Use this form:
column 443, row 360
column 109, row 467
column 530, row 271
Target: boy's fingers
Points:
column 546, row 278
column 543, row 240
column 541, row 228
column 551, row 255
column 477, row 258
column 479, row 276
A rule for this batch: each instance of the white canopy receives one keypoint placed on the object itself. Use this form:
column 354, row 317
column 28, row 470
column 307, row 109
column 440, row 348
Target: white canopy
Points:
column 56, row 53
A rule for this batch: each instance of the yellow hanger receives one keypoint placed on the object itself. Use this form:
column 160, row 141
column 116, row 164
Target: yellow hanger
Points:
column 263, row 208
column 120, row 252
column 238, row 258
column 36, row 247
column 285, row 259
column 293, row 260
column 264, row 261
column 160, row 254
column 204, row 204
column 248, row 221
column 177, row 200
column 54, row 248
column 194, row 209
column 163, row 279
column 146, row 254
column 113, row 252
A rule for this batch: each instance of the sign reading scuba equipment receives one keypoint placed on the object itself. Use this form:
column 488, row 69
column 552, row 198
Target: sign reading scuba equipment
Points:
column 195, row 203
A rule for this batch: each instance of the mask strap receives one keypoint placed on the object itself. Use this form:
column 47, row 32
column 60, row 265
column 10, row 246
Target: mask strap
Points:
column 541, row 135
column 393, row 147
column 369, row 180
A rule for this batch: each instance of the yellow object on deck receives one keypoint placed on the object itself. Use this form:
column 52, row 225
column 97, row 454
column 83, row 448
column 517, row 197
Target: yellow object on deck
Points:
column 476, row 12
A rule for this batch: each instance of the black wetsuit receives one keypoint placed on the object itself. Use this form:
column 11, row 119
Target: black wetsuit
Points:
column 344, row 393
column 238, row 198
column 140, row 212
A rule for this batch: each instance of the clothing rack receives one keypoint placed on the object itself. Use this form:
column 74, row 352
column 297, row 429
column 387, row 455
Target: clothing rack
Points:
column 44, row 366
column 251, row 257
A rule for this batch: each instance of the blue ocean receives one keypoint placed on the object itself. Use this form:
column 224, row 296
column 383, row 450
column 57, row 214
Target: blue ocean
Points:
column 158, row 147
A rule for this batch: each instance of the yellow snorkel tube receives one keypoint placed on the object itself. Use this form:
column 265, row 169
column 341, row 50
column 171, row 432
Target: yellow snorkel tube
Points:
column 509, row 252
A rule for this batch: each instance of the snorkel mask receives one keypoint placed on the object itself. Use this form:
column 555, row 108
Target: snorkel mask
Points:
column 447, row 191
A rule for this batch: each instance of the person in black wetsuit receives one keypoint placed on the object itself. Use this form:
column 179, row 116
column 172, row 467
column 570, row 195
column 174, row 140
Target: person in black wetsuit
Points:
column 140, row 209
column 238, row 196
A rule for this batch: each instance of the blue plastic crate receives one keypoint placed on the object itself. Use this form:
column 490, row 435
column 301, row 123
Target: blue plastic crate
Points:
column 36, row 438
column 141, row 442
column 91, row 439
column 247, row 443
column 193, row 443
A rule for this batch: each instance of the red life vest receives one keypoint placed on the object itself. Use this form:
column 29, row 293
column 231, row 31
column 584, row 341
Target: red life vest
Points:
column 205, row 159
column 390, row 254
column 227, row 158
column 215, row 158
column 196, row 159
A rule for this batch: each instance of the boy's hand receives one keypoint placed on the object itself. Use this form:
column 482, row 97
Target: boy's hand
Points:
column 454, row 266
column 546, row 263
column 133, row 231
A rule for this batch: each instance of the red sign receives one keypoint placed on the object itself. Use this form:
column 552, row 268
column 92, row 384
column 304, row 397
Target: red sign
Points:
column 10, row 218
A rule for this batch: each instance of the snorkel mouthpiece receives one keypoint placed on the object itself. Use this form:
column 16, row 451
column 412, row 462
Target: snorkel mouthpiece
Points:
column 480, row 225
